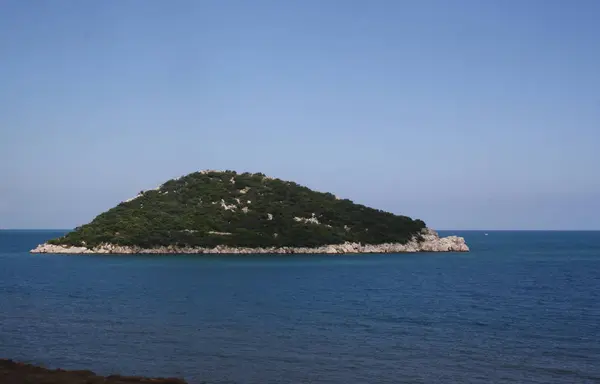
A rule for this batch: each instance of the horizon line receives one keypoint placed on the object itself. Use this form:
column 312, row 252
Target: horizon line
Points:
column 436, row 229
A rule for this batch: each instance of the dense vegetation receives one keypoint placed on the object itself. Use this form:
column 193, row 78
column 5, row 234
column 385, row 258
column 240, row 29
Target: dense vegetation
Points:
column 226, row 208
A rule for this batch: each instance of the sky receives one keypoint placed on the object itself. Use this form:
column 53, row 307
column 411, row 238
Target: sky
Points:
column 467, row 114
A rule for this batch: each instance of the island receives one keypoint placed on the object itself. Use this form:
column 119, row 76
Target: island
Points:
column 231, row 213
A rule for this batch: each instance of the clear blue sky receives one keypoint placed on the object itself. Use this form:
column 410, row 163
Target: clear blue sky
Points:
column 466, row 114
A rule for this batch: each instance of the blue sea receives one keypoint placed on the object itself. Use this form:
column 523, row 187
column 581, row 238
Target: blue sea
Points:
column 522, row 307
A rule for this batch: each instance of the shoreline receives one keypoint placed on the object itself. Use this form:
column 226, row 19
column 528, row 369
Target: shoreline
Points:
column 13, row 372
column 432, row 242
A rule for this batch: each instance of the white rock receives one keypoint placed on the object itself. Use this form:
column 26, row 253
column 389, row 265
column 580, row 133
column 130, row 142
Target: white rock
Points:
column 431, row 243
column 226, row 207
column 312, row 219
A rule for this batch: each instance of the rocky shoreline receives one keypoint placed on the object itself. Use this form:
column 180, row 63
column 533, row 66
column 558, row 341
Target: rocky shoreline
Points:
column 432, row 242
column 12, row 372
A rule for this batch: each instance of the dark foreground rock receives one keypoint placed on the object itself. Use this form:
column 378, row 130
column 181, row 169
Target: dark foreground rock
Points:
column 12, row 372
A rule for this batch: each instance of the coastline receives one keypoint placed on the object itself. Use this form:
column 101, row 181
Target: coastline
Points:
column 432, row 242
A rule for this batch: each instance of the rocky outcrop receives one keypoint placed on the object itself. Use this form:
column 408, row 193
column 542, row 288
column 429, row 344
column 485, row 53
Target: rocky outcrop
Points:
column 12, row 372
column 431, row 242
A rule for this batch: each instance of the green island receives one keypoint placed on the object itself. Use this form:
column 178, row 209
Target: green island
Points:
column 225, row 211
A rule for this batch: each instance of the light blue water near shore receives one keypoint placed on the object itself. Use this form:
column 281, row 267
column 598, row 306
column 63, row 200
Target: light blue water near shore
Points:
column 522, row 307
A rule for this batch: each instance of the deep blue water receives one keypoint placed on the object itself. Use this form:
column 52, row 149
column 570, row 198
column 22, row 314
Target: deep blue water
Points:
column 522, row 307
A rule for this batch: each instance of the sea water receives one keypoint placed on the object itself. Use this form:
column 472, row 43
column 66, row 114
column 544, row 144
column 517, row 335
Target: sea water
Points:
column 522, row 307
